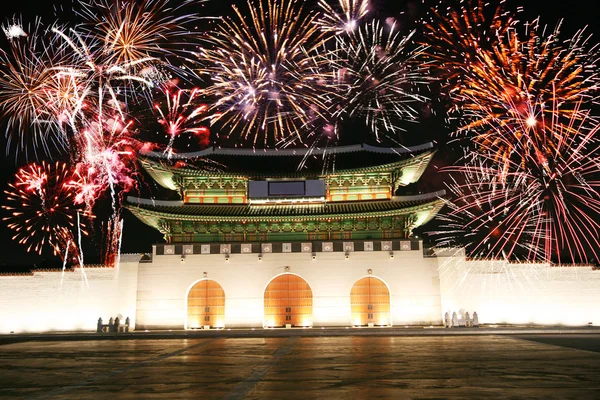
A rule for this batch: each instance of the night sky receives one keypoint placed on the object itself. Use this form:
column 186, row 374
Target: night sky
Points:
column 138, row 237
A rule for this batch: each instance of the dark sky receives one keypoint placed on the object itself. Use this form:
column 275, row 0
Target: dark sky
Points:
column 138, row 237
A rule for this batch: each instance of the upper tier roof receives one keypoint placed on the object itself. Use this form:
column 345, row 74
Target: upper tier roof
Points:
column 290, row 163
column 237, row 152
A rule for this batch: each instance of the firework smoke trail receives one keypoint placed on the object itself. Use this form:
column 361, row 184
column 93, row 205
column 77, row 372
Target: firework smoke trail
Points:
column 64, row 267
column 36, row 181
column 120, row 240
column 81, row 265
column 345, row 18
column 261, row 71
column 180, row 118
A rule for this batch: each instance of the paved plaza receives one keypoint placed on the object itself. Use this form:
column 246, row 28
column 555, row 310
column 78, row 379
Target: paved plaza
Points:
column 296, row 367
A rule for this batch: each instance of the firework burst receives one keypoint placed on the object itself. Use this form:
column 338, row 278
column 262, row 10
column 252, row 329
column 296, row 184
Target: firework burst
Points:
column 543, row 200
column 42, row 210
column 343, row 19
column 501, row 85
column 107, row 163
column 134, row 33
column 261, row 70
column 453, row 36
column 482, row 216
column 182, row 115
column 102, row 84
column 72, row 87
column 377, row 79
column 29, row 85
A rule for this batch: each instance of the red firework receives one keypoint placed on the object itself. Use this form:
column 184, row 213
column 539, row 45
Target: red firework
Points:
column 541, row 203
column 43, row 214
column 183, row 115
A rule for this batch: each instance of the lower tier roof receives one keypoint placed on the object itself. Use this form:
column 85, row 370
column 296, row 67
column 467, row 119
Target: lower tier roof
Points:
column 144, row 208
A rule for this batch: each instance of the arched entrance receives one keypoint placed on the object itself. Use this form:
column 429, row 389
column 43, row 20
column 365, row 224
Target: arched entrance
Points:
column 370, row 302
column 288, row 300
column 206, row 305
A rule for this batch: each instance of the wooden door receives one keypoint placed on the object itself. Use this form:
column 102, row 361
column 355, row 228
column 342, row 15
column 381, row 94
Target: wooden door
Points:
column 288, row 300
column 370, row 302
column 206, row 305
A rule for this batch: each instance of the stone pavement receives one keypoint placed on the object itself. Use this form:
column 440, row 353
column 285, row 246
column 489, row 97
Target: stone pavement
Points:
column 304, row 332
column 549, row 366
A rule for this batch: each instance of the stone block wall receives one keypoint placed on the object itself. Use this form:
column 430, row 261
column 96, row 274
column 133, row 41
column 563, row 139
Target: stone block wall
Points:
column 505, row 293
column 164, row 284
column 40, row 303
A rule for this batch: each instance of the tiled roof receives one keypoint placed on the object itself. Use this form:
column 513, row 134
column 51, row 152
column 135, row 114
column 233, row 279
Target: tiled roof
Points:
column 239, row 152
column 177, row 209
column 284, row 163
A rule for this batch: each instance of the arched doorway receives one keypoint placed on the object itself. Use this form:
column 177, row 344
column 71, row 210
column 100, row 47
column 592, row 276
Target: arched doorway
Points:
column 206, row 305
column 288, row 300
column 370, row 302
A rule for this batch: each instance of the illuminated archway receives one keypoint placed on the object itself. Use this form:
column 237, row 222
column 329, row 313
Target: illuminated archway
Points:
column 288, row 300
column 370, row 302
column 206, row 305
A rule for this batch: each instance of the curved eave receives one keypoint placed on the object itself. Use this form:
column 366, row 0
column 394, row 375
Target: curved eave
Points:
column 162, row 175
column 414, row 168
column 424, row 216
column 146, row 218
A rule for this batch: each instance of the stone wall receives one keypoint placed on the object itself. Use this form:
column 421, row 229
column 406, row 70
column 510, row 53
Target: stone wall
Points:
column 505, row 293
column 39, row 303
column 153, row 294
column 164, row 283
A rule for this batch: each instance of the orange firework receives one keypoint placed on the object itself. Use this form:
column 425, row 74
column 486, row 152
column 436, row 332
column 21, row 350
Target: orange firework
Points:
column 455, row 35
column 500, row 73
column 522, row 75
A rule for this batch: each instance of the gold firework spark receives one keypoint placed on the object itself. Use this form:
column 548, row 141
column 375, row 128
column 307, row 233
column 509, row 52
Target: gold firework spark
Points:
column 454, row 35
column 29, row 86
column 131, row 31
